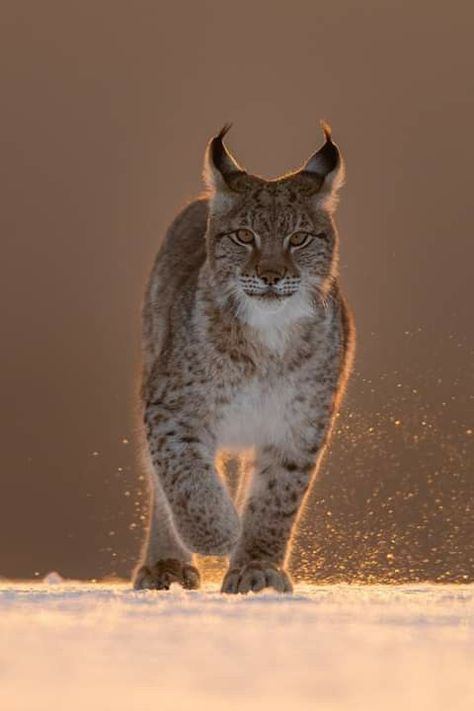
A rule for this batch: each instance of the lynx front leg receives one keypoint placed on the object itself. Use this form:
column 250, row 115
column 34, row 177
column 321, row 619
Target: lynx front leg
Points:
column 203, row 513
column 165, row 559
column 277, row 491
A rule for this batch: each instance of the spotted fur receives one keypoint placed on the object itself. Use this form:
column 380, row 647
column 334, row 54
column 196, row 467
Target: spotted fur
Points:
column 247, row 346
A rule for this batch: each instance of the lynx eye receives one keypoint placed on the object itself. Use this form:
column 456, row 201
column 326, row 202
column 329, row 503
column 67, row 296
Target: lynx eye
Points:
column 245, row 237
column 300, row 239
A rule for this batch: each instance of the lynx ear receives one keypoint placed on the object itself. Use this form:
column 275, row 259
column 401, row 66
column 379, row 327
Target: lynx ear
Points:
column 327, row 169
column 222, row 174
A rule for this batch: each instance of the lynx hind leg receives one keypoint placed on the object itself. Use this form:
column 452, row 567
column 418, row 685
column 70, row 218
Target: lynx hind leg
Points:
column 165, row 559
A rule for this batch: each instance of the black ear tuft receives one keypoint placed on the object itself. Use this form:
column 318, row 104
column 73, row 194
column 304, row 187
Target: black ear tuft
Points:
column 327, row 130
column 224, row 130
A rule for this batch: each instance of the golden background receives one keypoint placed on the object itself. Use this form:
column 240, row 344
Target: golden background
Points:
column 106, row 111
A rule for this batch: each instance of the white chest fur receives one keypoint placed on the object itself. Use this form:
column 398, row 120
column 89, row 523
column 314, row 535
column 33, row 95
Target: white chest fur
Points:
column 265, row 410
column 260, row 413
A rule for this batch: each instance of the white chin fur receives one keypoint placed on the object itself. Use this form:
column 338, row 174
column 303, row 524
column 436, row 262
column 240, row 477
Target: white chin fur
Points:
column 272, row 319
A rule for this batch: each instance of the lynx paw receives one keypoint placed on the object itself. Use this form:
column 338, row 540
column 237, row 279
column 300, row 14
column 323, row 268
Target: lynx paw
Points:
column 165, row 572
column 256, row 576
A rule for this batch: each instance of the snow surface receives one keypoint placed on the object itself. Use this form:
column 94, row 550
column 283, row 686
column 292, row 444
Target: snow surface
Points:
column 72, row 646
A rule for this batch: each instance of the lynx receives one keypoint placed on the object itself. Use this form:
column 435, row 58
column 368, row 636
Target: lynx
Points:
column 247, row 348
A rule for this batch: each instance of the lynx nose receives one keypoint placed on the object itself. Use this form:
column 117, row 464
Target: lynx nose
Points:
column 271, row 275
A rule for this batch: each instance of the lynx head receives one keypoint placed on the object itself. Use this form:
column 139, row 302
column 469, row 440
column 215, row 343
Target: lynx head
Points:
column 272, row 245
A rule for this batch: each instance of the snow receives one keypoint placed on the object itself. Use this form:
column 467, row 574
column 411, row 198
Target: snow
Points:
column 76, row 646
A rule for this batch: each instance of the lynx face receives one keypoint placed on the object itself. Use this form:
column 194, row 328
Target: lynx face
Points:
column 272, row 244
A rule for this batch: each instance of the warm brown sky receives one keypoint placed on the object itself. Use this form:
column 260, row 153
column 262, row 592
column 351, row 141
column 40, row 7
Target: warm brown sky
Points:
column 106, row 110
